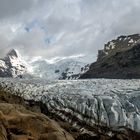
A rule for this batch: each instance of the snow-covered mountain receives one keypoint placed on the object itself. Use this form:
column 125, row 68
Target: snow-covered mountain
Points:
column 62, row 69
column 13, row 65
column 113, row 103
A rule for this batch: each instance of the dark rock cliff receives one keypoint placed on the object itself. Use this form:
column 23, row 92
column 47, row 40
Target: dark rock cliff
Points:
column 120, row 62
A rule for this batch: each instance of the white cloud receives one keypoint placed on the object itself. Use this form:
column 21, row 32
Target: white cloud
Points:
column 66, row 27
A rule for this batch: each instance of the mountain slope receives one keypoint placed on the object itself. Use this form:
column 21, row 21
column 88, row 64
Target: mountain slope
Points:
column 121, row 61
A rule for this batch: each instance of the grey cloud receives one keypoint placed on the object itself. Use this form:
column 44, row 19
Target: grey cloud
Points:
column 10, row 8
column 70, row 26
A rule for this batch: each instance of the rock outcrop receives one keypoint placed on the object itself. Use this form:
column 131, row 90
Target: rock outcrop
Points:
column 120, row 59
column 18, row 123
column 121, row 43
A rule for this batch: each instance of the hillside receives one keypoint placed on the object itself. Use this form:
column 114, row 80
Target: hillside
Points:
column 120, row 59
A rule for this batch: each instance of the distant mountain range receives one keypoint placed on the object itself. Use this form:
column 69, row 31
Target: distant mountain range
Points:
column 14, row 65
column 120, row 59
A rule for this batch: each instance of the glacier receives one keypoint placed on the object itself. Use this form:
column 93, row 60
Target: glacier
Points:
column 110, row 102
column 68, row 68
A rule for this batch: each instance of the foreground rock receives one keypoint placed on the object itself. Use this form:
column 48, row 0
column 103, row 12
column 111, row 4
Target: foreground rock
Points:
column 18, row 123
column 120, row 59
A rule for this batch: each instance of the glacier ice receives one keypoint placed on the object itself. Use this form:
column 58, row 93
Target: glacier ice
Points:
column 114, row 103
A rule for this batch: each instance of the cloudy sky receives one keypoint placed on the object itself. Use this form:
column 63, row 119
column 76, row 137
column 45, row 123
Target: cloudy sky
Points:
column 51, row 28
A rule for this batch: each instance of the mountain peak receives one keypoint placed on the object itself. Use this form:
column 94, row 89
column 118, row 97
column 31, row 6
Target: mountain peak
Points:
column 13, row 52
column 13, row 65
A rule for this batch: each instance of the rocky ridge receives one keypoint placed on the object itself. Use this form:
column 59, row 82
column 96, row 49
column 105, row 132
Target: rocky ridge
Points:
column 121, row 43
column 120, row 59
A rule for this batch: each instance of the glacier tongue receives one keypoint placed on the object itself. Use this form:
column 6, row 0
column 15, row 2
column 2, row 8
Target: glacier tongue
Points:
column 108, row 102
column 62, row 69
